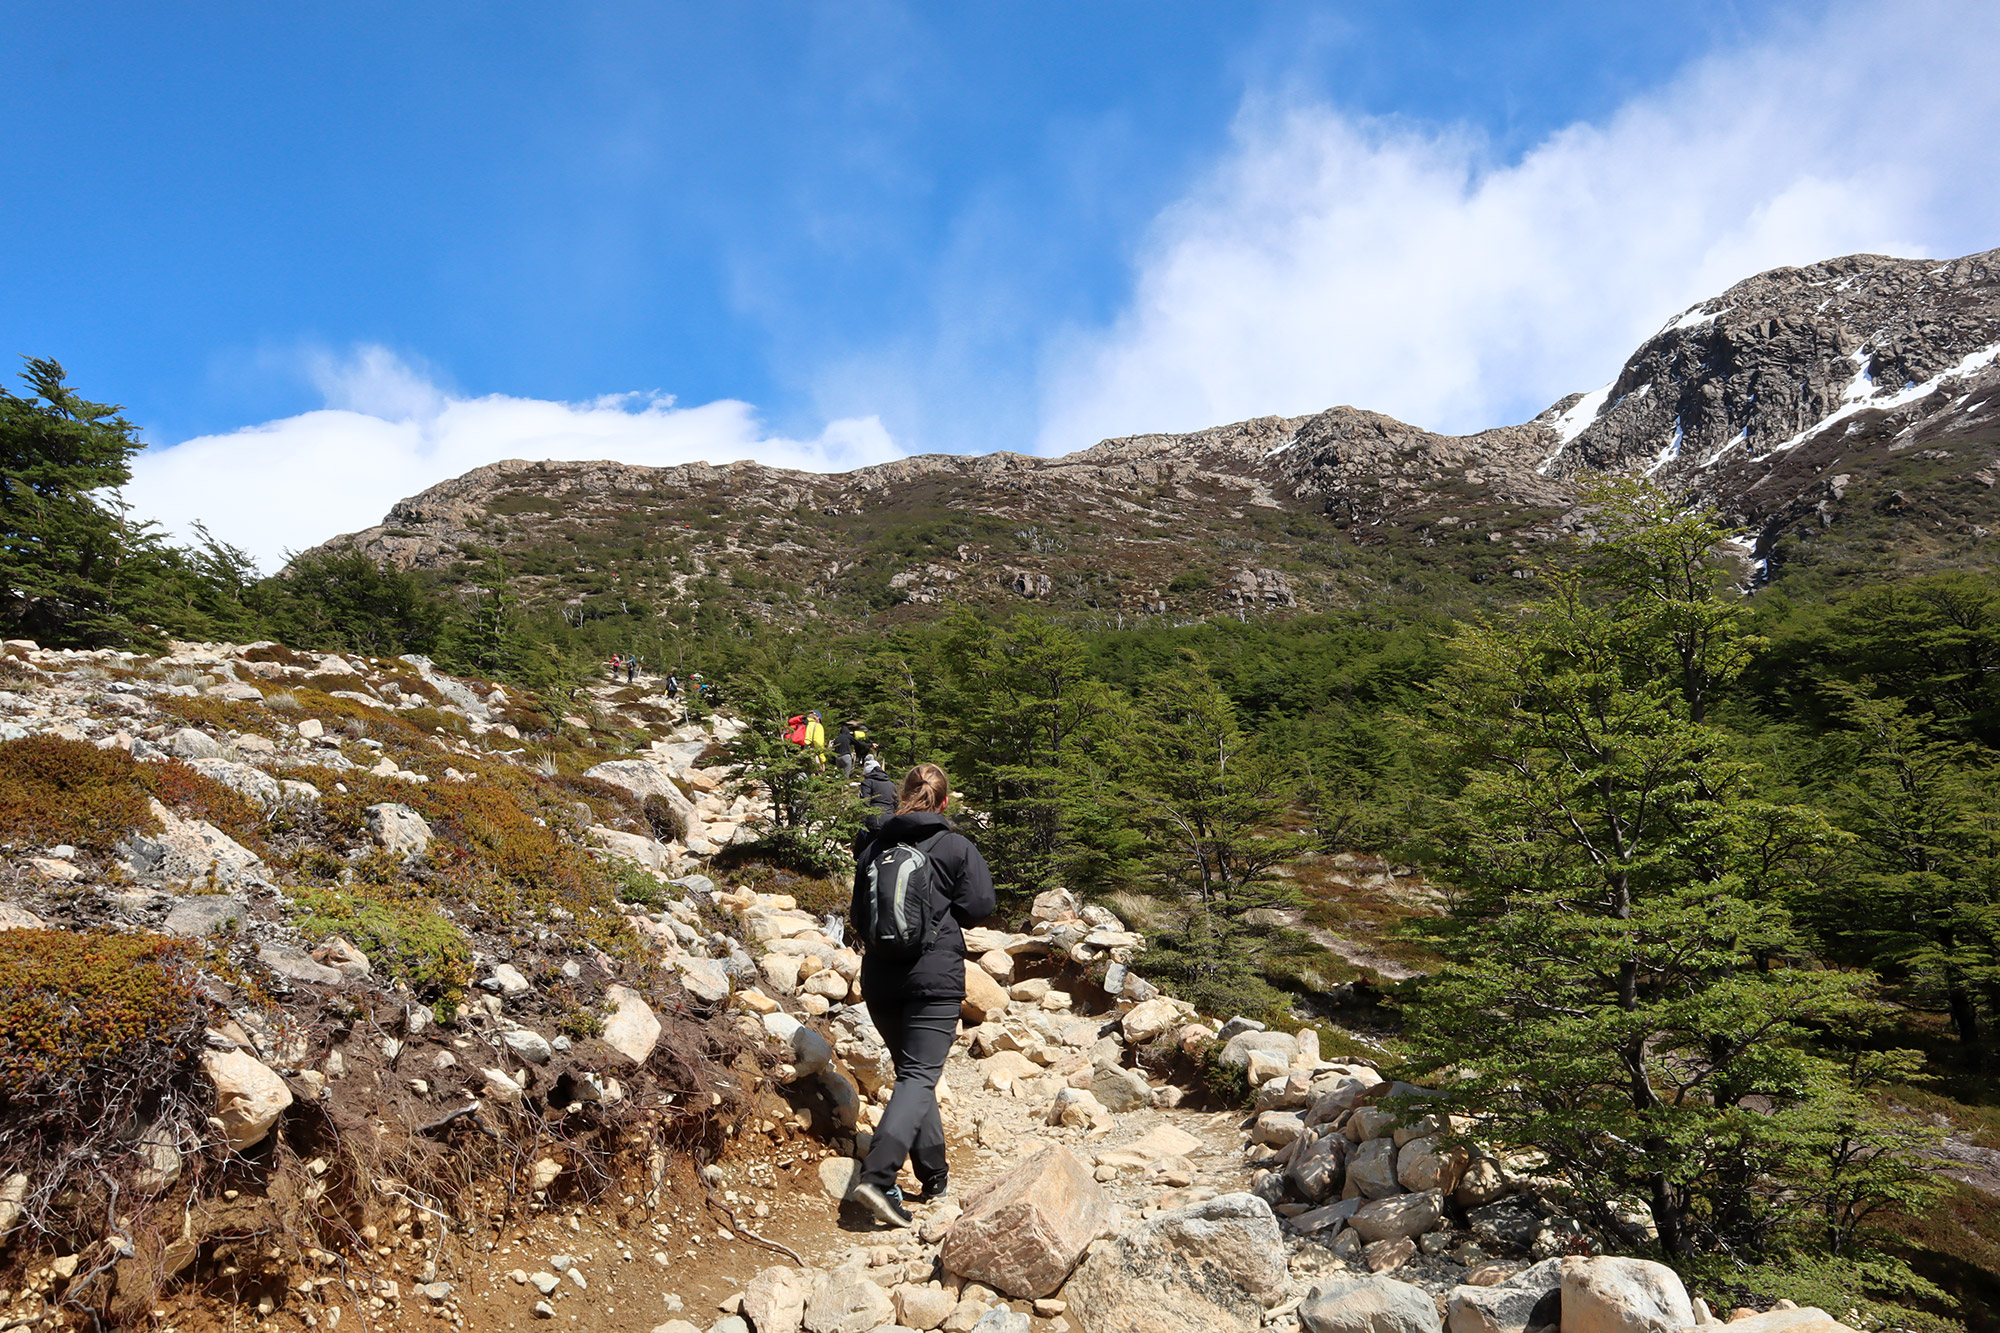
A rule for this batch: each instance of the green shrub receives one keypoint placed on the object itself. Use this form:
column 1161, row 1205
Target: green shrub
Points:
column 405, row 940
column 1230, row 1085
column 664, row 820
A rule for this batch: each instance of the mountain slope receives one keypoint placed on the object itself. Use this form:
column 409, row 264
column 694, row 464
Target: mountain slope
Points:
column 1846, row 412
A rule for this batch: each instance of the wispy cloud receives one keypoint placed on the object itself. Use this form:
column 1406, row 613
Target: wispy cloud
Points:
column 1331, row 258
column 388, row 431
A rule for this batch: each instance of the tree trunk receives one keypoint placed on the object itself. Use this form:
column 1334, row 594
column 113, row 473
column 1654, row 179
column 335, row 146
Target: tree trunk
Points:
column 1964, row 1015
column 1666, row 1213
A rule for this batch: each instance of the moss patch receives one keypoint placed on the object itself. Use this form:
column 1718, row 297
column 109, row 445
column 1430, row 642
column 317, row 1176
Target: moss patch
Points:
column 405, row 939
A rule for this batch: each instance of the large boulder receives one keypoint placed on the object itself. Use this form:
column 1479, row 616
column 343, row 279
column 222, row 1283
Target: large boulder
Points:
column 703, row 979
column 1238, row 1231
column 1367, row 1305
column 631, row 1029
column 1507, row 1226
column 298, row 965
column 189, row 744
column 1403, row 1215
column 187, row 850
column 847, row 1300
column 1318, row 1169
column 985, row 998
column 1237, row 1051
column 1531, row 1298
column 1608, row 1294
column 1120, row 1089
column 1805, row 1319
column 1481, row 1183
column 648, row 852
column 1371, row 1169
column 204, row 914
column 774, row 1301
column 249, row 1096
column 1023, row 1233
column 1210, row 1268
column 1427, row 1164
column 643, row 778
column 254, row 783
column 1277, row 1128
column 398, row 830
column 1145, row 1022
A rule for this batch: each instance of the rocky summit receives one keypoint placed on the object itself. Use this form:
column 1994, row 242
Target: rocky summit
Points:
column 1852, row 394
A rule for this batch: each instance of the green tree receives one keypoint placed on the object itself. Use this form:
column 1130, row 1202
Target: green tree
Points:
column 1625, row 988
column 347, row 602
column 1031, row 698
column 1211, row 804
column 72, row 564
column 1924, row 901
column 814, row 814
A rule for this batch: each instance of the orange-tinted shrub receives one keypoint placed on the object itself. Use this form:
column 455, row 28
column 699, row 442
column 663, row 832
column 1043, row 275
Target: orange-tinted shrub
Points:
column 54, row 790
column 82, row 1012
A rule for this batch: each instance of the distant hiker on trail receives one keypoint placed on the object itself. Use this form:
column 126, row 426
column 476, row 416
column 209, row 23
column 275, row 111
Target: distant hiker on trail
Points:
column 631, row 670
column 614, row 664
column 816, row 736
column 843, row 745
column 674, row 688
column 917, row 882
column 878, row 789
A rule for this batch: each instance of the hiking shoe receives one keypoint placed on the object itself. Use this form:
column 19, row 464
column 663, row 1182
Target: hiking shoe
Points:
column 886, row 1207
column 936, row 1189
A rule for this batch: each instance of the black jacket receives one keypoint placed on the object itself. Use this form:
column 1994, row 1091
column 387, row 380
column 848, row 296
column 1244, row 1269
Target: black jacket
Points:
column 962, row 894
column 879, row 790
column 843, row 740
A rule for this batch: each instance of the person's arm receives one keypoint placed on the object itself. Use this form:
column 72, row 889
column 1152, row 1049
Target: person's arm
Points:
column 860, row 883
column 972, row 899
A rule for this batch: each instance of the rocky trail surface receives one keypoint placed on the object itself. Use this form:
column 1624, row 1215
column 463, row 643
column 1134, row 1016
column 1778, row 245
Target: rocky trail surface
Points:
column 345, row 993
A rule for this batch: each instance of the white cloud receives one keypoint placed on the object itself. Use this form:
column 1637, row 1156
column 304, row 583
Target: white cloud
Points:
column 388, row 432
column 1330, row 258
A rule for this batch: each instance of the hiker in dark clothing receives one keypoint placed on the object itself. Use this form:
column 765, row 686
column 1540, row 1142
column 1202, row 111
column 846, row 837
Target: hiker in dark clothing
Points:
column 915, row 1001
column 878, row 789
column 843, row 745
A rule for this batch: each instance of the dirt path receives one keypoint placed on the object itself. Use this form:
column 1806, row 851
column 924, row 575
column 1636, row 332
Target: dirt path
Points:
column 634, row 1265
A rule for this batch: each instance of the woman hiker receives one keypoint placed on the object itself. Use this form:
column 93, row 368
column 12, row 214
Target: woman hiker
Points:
column 914, row 981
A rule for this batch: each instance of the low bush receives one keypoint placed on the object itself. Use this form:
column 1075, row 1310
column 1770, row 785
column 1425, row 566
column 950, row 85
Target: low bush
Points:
column 665, row 822
column 405, row 939
column 90, row 1023
column 54, row 791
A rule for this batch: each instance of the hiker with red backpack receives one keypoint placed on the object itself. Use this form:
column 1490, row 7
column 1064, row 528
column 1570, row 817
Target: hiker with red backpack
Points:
column 916, row 883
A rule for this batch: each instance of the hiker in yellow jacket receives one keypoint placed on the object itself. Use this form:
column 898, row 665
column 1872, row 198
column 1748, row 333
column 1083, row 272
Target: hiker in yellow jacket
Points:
column 816, row 737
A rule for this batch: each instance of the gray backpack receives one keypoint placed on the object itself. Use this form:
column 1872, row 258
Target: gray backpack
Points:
column 896, row 900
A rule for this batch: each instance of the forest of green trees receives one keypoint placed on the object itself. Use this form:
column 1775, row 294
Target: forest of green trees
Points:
column 1719, row 874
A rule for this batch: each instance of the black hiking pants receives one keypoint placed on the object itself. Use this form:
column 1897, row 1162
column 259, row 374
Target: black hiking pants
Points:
column 918, row 1033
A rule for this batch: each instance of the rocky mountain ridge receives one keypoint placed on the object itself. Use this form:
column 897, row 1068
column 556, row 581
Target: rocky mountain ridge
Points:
column 1861, row 389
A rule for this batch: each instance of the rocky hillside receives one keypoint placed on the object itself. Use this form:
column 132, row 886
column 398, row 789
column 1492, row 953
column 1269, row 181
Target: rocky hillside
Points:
column 1846, row 411
column 341, row 992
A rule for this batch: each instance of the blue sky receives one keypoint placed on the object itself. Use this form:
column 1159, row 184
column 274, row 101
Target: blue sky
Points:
column 428, row 236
